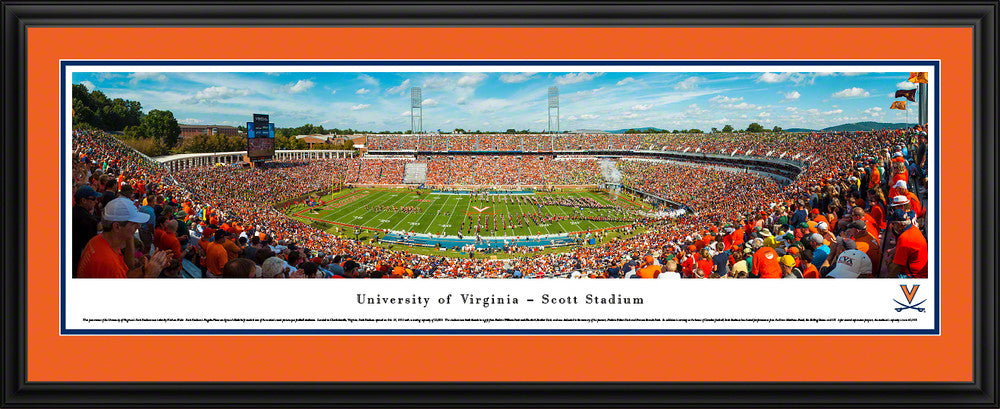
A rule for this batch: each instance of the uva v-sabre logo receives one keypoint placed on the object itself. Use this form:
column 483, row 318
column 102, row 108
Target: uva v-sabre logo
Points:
column 909, row 293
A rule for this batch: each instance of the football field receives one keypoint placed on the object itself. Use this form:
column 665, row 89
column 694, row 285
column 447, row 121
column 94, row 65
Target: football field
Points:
column 495, row 215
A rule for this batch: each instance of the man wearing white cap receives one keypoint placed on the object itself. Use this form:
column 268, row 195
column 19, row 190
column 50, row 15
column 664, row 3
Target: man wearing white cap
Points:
column 824, row 230
column 852, row 264
column 903, row 190
column 111, row 254
column 903, row 202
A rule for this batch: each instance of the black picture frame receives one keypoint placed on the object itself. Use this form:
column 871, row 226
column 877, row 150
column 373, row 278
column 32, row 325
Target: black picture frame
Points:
column 19, row 15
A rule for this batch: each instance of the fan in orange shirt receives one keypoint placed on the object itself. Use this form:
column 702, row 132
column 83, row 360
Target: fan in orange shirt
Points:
column 766, row 263
column 648, row 269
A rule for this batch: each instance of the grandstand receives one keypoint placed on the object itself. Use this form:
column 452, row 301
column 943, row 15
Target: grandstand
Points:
column 737, row 190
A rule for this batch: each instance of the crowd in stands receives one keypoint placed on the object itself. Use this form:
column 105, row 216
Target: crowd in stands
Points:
column 511, row 170
column 857, row 210
column 377, row 171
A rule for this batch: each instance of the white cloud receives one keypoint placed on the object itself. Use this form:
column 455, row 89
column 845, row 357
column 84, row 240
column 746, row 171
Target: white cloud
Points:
column 641, row 107
column 88, row 84
column 812, row 111
column 906, row 85
column 741, row 105
column 429, row 102
column 573, row 78
column 462, row 101
column 437, row 82
column 833, row 112
column 362, row 91
column 764, row 114
column 854, row 92
column 689, row 84
column 790, row 109
column 102, row 76
column 139, row 76
column 471, row 79
column 630, row 115
column 299, row 87
column 359, row 107
column 588, row 116
column 399, row 88
column 189, row 121
column 874, row 111
column 218, row 93
column 625, row 81
column 516, row 78
column 792, row 95
column 491, row 105
column 333, row 92
column 722, row 99
column 368, row 79
column 694, row 109
column 770, row 77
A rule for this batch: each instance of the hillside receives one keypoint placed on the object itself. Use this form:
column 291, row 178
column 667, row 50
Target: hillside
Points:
column 644, row 129
column 857, row 126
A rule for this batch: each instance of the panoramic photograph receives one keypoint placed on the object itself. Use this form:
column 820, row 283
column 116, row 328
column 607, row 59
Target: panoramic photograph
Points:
column 497, row 174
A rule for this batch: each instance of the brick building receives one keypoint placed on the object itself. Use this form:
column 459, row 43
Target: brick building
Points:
column 192, row 130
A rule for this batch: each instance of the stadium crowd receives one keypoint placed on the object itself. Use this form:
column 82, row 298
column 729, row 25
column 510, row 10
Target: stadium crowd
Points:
column 857, row 210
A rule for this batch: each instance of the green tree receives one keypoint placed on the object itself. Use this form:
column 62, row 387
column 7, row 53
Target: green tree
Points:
column 755, row 127
column 776, row 129
column 82, row 115
column 694, row 131
column 135, row 132
column 148, row 146
column 715, row 130
column 162, row 126
column 195, row 144
column 727, row 128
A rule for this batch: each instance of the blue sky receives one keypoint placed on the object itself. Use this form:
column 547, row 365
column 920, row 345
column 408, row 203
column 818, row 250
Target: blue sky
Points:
column 501, row 100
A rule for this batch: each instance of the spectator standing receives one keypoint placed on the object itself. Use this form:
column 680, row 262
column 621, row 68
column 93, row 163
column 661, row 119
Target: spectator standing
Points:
column 85, row 222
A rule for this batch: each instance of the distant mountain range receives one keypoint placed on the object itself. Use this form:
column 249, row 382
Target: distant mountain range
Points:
column 646, row 129
column 857, row 126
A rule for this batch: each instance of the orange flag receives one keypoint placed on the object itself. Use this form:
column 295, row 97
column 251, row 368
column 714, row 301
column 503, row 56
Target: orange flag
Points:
column 898, row 105
column 918, row 77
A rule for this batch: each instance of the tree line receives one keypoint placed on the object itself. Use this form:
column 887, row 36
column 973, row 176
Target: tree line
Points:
column 753, row 127
column 157, row 132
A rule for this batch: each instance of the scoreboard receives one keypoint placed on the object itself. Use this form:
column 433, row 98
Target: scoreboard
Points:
column 260, row 138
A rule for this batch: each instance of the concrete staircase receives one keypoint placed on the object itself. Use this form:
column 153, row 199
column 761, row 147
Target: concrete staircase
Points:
column 416, row 172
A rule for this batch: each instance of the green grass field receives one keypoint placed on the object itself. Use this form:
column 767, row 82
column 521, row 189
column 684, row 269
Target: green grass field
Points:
column 368, row 208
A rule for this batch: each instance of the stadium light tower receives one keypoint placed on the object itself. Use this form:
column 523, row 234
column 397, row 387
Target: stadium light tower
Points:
column 416, row 111
column 554, row 103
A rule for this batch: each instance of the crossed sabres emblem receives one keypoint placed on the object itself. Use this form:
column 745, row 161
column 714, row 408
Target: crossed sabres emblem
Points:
column 909, row 299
